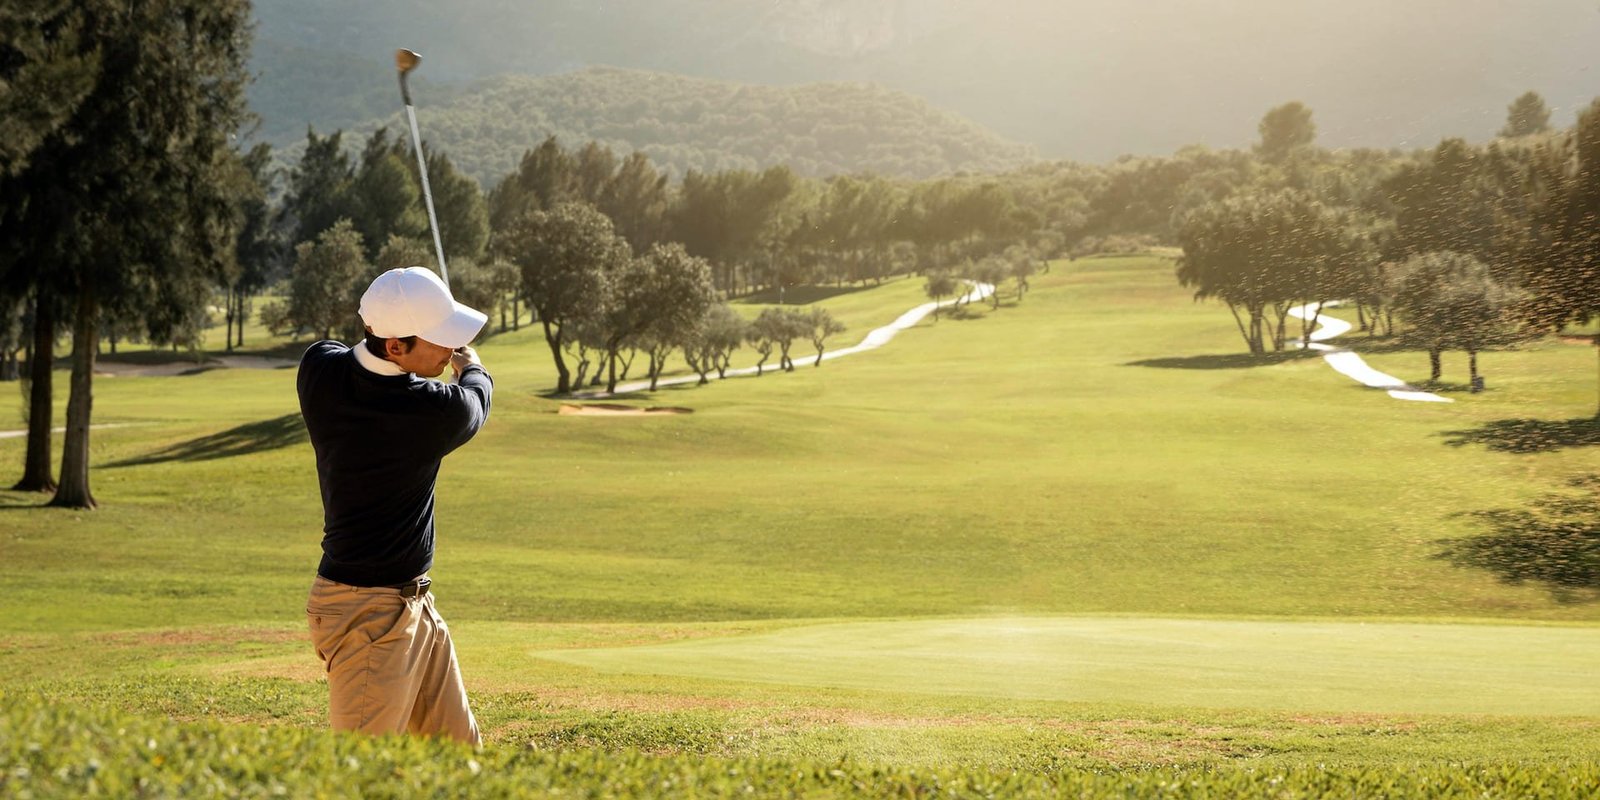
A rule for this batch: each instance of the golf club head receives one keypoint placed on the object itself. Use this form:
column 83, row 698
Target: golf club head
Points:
column 406, row 60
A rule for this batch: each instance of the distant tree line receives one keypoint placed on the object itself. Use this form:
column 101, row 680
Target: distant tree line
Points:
column 685, row 124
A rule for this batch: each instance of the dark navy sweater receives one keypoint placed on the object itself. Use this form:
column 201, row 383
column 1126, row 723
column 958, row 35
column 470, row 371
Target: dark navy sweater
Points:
column 379, row 440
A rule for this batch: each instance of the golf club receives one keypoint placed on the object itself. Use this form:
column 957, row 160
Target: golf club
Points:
column 407, row 60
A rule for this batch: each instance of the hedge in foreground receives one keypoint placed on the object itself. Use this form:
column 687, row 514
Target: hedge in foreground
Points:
column 58, row 751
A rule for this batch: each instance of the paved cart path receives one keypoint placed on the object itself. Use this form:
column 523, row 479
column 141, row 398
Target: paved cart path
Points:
column 1347, row 363
column 877, row 338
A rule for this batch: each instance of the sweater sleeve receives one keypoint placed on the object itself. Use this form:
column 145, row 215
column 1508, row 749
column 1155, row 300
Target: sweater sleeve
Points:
column 466, row 406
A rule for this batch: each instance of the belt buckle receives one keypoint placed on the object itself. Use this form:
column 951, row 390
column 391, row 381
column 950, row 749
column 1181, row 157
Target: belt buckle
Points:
column 416, row 588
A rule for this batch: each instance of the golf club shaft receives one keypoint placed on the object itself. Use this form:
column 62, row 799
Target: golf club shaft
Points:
column 422, row 169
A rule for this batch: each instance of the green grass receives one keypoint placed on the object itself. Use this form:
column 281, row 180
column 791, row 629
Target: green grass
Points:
column 1318, row 667
column 49, row 751
column 1095, row 458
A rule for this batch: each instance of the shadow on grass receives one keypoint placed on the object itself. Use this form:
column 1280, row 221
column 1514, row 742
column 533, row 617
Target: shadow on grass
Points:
column 799, row 295
column 1225, row 361
column 252, row 437
column 1555, row 544
column 1529, row 435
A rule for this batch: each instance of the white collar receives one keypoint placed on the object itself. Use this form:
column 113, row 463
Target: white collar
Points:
column 373, row 364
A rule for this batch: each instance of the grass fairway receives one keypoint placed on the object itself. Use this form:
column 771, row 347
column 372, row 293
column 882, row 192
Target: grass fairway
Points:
column 1079, row 529
column 1311, row 667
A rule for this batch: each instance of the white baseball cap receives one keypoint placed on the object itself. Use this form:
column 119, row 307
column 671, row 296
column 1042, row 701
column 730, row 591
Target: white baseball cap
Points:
column 414, row 302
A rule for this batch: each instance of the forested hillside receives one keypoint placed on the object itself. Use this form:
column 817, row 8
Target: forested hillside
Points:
column 1087, row 80
column 687, row 124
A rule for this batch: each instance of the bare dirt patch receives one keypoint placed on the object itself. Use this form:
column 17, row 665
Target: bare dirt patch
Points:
column 202, row 637
column 612, row 410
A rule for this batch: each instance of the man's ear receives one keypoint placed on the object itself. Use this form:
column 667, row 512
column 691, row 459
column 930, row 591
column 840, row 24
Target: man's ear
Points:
column 395, row 347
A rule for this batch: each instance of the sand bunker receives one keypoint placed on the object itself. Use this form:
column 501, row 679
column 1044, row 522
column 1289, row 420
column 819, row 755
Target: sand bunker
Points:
column 607, row 410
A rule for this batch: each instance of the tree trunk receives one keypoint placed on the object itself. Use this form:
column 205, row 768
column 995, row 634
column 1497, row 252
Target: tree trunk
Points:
column 1238, row 320
column 1597, row 353
column 552, row 337
column 36, row 463
column 228, row 320
column 73, row 491
column 627, row 364
column 1472, row 367
column 611, row 368
column 1433, row 361
column 516, row 314
column 818, row 362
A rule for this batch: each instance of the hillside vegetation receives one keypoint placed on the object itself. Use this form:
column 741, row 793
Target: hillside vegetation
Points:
column 1085, row 80
column 685, row 123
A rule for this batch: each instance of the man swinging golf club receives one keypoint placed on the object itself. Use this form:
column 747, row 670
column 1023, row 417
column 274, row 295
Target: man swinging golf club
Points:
column 380, row 430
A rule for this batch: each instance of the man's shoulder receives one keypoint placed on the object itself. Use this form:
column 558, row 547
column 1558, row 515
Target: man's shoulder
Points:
column 321, row 352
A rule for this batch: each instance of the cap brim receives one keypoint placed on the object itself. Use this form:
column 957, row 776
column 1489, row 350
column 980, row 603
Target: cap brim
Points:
column 458, row 329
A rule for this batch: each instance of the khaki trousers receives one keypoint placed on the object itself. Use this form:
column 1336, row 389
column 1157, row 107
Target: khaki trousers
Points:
column 391, row 666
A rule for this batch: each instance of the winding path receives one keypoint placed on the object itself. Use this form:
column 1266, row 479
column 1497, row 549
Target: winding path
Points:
column 877, row 338
column 1348, row 363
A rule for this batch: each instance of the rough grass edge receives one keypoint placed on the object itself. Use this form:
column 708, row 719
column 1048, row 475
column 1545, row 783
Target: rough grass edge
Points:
column 50, row 749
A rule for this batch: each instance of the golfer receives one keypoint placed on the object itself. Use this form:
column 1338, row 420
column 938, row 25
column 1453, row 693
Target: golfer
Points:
column 379, row 430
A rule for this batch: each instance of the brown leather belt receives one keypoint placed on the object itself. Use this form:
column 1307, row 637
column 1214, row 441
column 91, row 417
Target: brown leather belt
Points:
column 416, row 588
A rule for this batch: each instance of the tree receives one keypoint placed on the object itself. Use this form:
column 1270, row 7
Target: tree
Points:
column 1260, row 253
column 993, row 271
column 258, row 245
column 542, row 180
column 1451, row 302
column 564, row 256
column 636, row 199
column 459, row 204
column 772, row 328
column 318, row 187
column 49, row 64
column 325, row 284
column 400, row 252
column 655, row 299
column 940, row 284
column 725, row 217
column 1444, row 203
column 1526, row 116
column 821, row 325
column 1562, row 267
column 1022, row 265
column 714, row 339
column 47, row 67
column 1284, row 130
column 127, row 198
column 385, row 196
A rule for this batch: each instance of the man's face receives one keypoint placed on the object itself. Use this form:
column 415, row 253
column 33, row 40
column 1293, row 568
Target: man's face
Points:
column 424, row 357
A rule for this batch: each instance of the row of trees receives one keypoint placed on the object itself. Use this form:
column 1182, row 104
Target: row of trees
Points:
column 1470, row 246
column 120, row 195
column 559, row 234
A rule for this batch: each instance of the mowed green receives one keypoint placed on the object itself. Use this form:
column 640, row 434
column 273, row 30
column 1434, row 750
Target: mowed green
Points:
column 1093, row 460
column 1308, row 667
